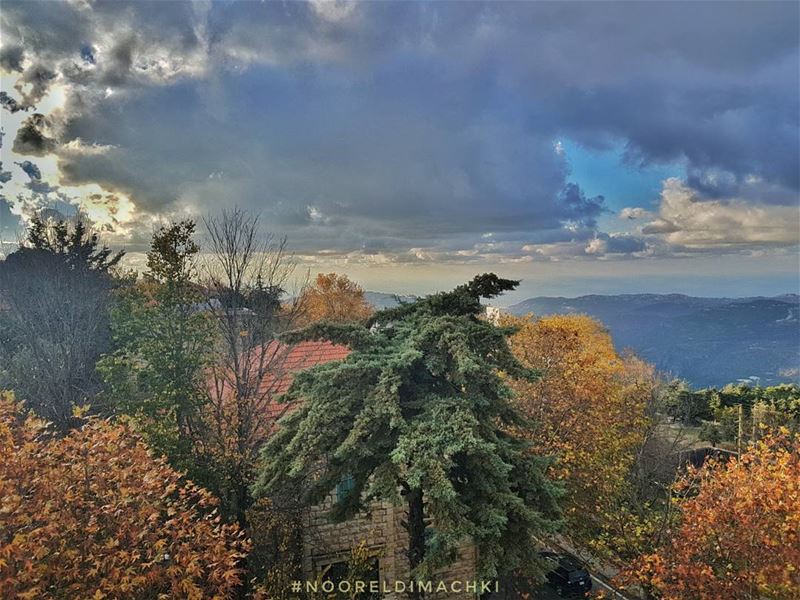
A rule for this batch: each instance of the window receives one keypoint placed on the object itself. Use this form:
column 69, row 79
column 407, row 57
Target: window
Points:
column 337, row 572
column 344, row 488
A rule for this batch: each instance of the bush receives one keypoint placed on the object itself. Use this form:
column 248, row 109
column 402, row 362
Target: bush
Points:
column 710, row 432
column 277, row 553
column 737, row 537
column 94, row 515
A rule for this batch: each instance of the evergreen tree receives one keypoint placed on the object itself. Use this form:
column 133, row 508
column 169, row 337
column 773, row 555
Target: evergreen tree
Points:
column 77, row 246
column 420, row 414
column 57, row 288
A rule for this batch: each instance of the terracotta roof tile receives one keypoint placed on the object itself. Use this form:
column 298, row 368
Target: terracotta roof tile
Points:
column 280, row 362
column 290, row 360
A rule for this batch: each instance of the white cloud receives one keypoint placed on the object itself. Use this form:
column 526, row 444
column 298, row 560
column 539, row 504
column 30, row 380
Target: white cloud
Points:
column 78, row 147
column 597, row 246
column 334, row 10
column 634, row 212
column 688, row 221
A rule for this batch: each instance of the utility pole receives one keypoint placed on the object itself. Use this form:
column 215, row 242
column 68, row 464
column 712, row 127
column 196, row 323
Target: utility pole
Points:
column 741, row 432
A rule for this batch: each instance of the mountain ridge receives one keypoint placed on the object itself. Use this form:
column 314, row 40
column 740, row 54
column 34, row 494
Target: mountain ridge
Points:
column 706, row 340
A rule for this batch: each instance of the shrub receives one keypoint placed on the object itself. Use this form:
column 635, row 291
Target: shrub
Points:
column 94, row 515
column 738, row 535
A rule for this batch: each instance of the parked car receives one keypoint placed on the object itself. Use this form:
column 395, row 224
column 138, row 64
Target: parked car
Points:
column 567, row 575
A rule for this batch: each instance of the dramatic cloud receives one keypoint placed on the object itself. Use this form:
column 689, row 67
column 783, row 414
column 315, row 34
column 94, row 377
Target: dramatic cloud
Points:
column 411, row 132
column 11, row 58
column 33, row 137
column 34, row 84
column 30, row 169
column 10, row 104
column 687, row 221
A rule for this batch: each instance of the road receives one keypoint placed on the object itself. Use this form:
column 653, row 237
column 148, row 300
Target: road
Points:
column 599, row 584
column 600, row 581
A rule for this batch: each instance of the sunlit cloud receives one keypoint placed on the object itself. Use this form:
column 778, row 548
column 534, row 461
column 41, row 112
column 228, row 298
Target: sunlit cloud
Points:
column 410, row 134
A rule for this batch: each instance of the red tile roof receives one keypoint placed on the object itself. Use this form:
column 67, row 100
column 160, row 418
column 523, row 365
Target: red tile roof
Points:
column 290, row 360
column 267, row 372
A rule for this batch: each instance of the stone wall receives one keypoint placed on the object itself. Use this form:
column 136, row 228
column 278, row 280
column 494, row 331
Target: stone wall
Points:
column 325, row 542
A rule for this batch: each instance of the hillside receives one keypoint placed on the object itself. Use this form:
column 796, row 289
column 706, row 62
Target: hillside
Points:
column 381, row 300
column 707, row 341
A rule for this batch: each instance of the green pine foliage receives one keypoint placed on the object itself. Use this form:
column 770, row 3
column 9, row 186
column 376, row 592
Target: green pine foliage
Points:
column 78, row 246
column 420, row 414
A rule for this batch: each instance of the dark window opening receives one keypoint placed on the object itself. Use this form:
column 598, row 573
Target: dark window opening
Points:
column 345, row 487
column 339, row 572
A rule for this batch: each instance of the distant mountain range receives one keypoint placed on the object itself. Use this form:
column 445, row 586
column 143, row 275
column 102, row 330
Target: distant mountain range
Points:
column 706, row 341
column 382, row 300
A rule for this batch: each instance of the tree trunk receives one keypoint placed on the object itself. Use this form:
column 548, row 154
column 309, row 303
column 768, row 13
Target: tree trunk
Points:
column 416, row 535
column 240, row 506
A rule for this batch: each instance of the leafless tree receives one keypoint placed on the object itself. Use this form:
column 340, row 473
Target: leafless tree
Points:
column 645, row 511
column 248, row 276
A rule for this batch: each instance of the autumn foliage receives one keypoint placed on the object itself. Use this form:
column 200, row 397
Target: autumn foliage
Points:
column 586, row 409
column 739, row 532
column 94, row 515
column 334, row 297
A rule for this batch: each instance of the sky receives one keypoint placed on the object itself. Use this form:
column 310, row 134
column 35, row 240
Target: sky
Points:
column 580, row 147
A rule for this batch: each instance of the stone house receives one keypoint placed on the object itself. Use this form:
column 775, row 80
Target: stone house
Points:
column 327, row 545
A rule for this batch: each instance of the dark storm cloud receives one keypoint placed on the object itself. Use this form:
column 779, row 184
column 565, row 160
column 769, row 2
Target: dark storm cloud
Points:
column 394, row 126
column 30, row 169
column 48, row 30
column 32, row 137
column 34, row 84
column 364, row 166
column 581, row 209
column 744, row 133
column 11, row 58
column 653, row 76
column 118, row 64
column 10, row 104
